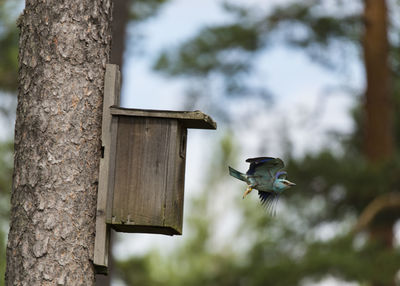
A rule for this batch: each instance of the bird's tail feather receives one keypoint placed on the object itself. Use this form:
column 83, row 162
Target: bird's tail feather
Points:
column 236, row 174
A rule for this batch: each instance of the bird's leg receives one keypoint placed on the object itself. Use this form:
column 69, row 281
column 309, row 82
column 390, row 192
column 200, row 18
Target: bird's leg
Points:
column 248, row 190
column 253, row 183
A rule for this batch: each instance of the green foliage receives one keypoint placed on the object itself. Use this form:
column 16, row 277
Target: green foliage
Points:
column 137, row 271
column 212, row 51
column 222, row 62
column 8, row 46
column 8, row 86
column 336, row 257
column 143, row 9
column 229, row 49
column 8, row 66
column 321, row 27
column 225, row 51
column 3, row 240
column 6, row 167
column 282, row 250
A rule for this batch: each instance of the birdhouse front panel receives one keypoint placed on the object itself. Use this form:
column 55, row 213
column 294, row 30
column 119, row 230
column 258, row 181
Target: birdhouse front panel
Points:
column 149, row 175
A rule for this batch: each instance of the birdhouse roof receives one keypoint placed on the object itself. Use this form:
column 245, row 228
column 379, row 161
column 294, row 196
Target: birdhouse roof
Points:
column 189, row 119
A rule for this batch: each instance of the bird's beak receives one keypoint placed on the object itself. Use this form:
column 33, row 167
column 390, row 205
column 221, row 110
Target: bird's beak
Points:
column 292, row 184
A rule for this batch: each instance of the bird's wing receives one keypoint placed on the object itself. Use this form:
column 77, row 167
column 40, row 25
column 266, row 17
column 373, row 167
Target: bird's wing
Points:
column 269, row 200
column 259, row 159
column 266, row 167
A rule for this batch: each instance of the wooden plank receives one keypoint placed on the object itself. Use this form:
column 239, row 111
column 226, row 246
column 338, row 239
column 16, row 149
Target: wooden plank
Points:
column 111, row 97
column 189, row 119
column 144, row 174
column 175, row 192
column 111, row 171
column 167, row 230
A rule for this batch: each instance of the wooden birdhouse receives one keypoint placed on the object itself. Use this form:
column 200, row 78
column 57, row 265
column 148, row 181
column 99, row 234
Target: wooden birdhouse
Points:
column 142, row 169
column 149, row 176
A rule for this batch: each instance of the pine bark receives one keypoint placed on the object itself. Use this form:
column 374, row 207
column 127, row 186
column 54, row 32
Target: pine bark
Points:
column 64, row 47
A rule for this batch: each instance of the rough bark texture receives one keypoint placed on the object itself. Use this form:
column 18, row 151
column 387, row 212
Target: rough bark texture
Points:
column 64, row 46
column 379, row 143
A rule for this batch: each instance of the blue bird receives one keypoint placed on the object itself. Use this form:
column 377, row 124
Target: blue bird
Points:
column 264, row 175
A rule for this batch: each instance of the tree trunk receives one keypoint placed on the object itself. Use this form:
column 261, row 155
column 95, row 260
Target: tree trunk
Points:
column 120, row 22
column 379, row 143
column 379, row 134
column 64, row 47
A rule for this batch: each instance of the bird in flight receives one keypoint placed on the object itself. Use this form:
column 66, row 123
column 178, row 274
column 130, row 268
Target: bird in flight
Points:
column 265, row 175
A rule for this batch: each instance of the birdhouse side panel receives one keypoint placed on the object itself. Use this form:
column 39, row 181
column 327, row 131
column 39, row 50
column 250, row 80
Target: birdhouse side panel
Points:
column 175, row 195
column 141, row 175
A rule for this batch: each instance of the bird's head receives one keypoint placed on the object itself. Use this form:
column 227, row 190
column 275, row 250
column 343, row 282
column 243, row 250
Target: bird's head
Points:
column 281, row 184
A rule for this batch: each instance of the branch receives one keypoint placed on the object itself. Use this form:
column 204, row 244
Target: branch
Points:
column 380, row 203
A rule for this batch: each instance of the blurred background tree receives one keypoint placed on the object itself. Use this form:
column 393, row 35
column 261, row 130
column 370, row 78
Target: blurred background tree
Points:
column 338, row 224
column 335, row 189
column 8, row 87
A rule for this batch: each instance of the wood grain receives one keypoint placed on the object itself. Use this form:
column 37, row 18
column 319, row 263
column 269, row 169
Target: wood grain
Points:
column 145, row 175
column 111, row 97
column 188, row 119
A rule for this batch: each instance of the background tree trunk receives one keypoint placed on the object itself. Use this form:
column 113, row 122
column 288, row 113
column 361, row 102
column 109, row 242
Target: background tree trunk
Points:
column 379, row 133
column 379, row 143
column 120, row 22
column 64, row 47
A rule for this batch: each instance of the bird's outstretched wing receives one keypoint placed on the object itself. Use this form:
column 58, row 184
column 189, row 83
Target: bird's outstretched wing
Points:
column 269, row 201
column 265, row 167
